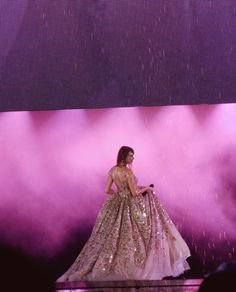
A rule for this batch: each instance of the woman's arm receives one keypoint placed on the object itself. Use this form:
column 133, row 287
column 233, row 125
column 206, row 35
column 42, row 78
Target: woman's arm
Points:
column 108, row 189
column 135, row 190
column 140, row 187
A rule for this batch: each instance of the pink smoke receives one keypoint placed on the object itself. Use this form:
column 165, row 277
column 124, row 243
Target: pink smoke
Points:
column 54, row 165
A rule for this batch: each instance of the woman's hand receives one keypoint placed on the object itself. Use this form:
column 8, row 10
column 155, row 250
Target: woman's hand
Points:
column 149, row 188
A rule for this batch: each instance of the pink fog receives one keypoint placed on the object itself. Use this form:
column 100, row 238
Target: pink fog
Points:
column 54, row 166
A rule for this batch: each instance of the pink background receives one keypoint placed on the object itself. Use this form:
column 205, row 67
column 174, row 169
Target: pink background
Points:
column 54, row 164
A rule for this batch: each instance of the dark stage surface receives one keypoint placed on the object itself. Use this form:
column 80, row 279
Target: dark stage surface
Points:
column 173, row 285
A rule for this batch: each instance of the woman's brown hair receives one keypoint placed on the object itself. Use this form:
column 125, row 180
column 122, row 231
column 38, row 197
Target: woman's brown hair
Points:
column 123, row 153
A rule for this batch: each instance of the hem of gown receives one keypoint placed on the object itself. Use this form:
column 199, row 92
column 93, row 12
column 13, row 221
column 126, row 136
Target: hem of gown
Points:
column 180, row 267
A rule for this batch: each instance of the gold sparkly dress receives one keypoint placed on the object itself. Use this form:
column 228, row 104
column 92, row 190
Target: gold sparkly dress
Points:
column 133, row 239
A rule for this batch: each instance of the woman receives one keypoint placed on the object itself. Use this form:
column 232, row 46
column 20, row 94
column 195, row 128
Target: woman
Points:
column 133, row 237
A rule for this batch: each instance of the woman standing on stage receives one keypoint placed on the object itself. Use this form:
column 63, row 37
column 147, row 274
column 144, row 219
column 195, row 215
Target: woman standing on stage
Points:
column 133, row 237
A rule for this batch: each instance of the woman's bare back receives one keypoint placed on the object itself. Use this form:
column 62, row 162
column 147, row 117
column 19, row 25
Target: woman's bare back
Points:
column 120, row 177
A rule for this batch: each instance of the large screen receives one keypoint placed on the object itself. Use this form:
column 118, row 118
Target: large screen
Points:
column 110, row 53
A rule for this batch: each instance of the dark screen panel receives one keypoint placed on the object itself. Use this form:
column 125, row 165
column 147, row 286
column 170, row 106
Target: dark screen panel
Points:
column 110, row 53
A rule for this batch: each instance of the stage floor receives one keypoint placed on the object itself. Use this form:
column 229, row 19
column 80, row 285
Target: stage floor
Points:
column 172, row 285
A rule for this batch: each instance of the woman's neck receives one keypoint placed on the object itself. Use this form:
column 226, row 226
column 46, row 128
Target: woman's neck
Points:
column 122, row 165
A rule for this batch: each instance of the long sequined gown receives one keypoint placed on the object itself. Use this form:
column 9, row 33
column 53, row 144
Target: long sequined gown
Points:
column 133, row 238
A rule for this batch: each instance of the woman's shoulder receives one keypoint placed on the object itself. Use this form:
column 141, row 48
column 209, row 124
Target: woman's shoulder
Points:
column 111, row 170
column 117, row 168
